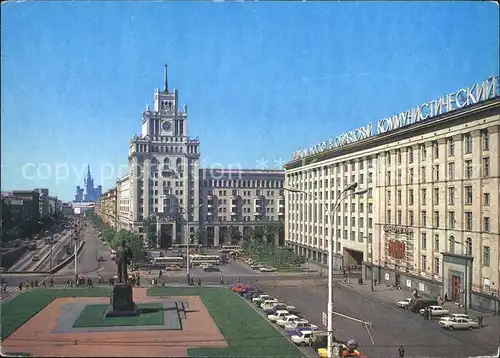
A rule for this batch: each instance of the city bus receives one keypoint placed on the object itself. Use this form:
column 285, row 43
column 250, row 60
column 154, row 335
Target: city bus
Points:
column 166, row 261
column 196, row 260
column 226, row 249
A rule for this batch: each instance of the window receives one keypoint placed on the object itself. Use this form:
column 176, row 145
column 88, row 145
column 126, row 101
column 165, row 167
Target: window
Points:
column 410, row 155
column 468, row 246
column 467, row 143
column 486, row 224
column 422, row 174
column 486, row 167
column 389, row 197
column 424, row 241
column 486, row 199
column 410, row 197
column 399, row 217
column 435, row 149
column 451, row 171
column 436, row 218
column 468, row 169
column 424, row 218
column 436, row 172
column 410, row 179
column 451, row 219
column 423, row 152
column 436, row 196
column 424, row 263
column 399, row 177
column 436, row 243
column 370, row 208
column 388, row 158
column 424, row 196
column 436, row 266
column 451, row 147
column 452, row 244
column 468, row 195
column 399, row 197
column 468, row 220
column 388, row 178
column 485, row 138
column 486, row 256
column 398, row 155
column 388, row 216
column 451, row 196
column 410, row 217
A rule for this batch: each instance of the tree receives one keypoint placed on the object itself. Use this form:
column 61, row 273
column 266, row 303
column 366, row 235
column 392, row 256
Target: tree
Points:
column 132, row 239
column 199, row 235
column 149, row 228
column 234, row 235
column 257, row 234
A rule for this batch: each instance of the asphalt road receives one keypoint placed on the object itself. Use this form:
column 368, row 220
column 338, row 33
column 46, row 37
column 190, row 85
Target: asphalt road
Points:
column 88, row 258
column 392, row 326
column 59, row 253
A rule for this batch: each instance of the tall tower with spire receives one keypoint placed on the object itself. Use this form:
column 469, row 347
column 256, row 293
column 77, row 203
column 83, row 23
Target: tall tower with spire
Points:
column 88, row 193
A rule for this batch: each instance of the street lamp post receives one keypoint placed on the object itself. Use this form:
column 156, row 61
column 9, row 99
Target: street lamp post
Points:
column 369, row 245
column 348, row 191
column 188, row 275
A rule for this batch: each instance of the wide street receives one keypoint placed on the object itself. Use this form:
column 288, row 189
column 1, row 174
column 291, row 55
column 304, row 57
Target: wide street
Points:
column 392, row 326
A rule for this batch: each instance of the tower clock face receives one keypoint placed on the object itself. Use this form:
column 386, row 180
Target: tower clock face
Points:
column 166, row 126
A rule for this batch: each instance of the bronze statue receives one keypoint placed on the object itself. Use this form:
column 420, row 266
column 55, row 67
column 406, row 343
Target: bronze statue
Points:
column 123, row 256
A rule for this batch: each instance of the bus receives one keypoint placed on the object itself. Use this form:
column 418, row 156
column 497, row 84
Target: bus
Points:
column 183, row 247
column 168, row 261
column 197, row 260
column 226, row 249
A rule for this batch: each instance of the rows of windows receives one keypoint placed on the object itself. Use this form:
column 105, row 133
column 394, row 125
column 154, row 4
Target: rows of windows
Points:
column 241, row 183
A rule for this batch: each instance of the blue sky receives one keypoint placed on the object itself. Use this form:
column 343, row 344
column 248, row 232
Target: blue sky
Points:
column 261, row 80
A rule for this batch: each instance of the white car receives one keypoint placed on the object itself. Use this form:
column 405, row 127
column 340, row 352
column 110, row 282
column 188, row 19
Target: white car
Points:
column 281, row 314
column 458, row 323
column 292, row 326
column 287, row 320
column 261, row 298
column 404, row 303
column 435, row 311
column 267, row 269
column 302, row 338
column 457, row 315
column 269, row 302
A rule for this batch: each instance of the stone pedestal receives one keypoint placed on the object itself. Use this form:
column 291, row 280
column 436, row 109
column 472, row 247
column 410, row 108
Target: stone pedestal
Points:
column 122, row 303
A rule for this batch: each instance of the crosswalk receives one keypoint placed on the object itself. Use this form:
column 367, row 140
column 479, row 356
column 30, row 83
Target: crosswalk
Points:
column 9, row 291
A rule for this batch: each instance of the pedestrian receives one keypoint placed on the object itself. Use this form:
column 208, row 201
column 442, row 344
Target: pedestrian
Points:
column 36, row 283
column 222, row 280
column 199, row 282
column 191, row 281
column 32, row 284
column 401, row 352
column 20, row 286
column 480, row 321
column 138, row 282
column 43, row 284
column 51, row 282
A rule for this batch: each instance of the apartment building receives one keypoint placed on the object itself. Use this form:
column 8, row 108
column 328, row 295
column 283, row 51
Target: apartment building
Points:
column 107, row 207
column 429, row 219
column 165, row 182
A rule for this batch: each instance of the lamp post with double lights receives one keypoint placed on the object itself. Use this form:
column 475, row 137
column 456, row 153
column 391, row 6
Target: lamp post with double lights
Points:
column 188, row 237
column 76, row 239
column 466, row 284
column 348, row 191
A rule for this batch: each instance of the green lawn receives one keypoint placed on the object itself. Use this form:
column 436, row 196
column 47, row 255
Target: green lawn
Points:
column 95, row 316
column 245, row 331
column 20, row 309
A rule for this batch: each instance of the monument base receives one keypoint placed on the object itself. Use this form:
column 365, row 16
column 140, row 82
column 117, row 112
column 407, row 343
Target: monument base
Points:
column 122, row 303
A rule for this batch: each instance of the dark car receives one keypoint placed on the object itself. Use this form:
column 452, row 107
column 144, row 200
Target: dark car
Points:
column 418, row 304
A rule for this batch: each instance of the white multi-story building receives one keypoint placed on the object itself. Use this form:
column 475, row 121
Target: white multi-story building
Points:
column 432, row 205
column 165, row 181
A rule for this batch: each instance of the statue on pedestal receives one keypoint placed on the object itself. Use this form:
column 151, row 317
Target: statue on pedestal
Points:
column 123, row 256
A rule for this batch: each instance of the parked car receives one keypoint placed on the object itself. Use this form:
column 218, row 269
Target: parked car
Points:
column 292, row 326
column 404, row 303
column 417, row 304
column 260, row 298
column 302, row 338
column 287, row 320
column 278, row 315
column 458, row 323
column 269, row 303
column 281, row 306
column 457, row 315
column 311, row 327
column 435, row 311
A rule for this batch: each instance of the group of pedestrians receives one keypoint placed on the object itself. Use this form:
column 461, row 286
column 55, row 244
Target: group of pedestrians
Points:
column 32, row 284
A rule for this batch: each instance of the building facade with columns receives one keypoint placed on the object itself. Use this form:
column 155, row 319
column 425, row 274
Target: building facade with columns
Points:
column 430, row 217
column 165, row 182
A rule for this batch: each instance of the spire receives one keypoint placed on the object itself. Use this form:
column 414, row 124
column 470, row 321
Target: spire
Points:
column 88, row 170
column 166, row 79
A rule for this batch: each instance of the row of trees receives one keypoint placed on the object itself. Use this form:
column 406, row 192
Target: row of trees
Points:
column 264, row 233
column 115, row 237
